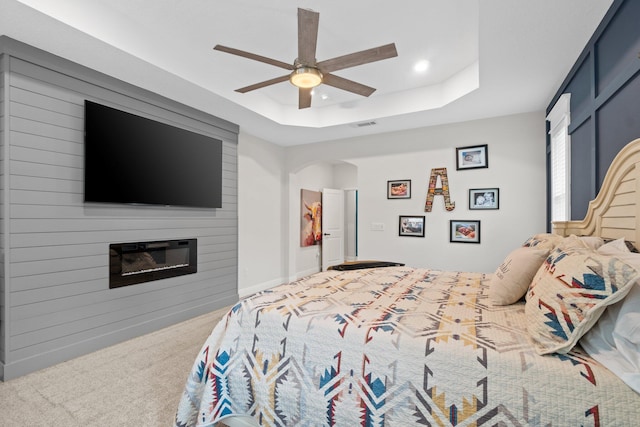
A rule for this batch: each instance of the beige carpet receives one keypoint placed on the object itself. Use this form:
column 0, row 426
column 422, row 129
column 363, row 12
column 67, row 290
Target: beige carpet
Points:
column 135, row 383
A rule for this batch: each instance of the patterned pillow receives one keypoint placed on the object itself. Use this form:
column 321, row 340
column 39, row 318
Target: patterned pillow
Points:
column 511, row 279
column 571, row 242
column 546, row 241
column 569, row 293
column 593, row 242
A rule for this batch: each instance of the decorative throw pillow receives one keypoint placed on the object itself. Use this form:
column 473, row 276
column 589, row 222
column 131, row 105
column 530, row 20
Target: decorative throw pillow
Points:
column 593, row 242
column 546, row 241
column 571, row 242
column 630, row 245
column 631, row 258
column 614, row 247
column 569, row 293
column 511, row 279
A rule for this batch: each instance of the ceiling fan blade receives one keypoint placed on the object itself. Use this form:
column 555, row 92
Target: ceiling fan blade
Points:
column 263, row 84
column 304, row 98
column 253, row 56
column 307, row 36
column 348, row 85
column 358, row 58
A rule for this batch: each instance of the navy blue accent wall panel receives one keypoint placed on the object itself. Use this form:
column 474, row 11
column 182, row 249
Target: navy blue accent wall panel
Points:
column 582, row 171
column 618, row 123
column 618, row 46
column 605, row 100
column 580, row 89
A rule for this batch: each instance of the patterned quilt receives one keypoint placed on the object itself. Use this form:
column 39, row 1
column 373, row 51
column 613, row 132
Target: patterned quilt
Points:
column 394, row 346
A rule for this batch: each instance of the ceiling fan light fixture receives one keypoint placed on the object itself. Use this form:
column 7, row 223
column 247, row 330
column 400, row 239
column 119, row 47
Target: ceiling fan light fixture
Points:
column 306, row 77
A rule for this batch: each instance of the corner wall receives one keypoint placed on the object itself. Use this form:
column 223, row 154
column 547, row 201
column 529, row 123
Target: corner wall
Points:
column 57, row 301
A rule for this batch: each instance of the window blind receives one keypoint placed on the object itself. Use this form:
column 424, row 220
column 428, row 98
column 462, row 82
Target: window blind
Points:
column 559, row 119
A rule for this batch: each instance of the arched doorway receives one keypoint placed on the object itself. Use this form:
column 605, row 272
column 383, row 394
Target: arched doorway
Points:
column 316, row 176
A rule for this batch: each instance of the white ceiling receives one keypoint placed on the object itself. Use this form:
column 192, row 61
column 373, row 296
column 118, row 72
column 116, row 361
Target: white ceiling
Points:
column 487, row 57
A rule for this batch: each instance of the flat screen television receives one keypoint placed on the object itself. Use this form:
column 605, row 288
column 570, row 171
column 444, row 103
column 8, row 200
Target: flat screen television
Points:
column 135, row 160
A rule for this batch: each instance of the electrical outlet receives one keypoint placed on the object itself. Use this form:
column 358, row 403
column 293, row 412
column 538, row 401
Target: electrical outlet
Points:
column 377, row 226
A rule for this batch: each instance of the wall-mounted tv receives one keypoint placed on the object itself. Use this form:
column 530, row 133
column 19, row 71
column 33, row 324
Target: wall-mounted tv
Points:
column 136, row 160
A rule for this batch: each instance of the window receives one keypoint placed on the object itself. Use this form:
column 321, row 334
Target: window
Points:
column 559, row 119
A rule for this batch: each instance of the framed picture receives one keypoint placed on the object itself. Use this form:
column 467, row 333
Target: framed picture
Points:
column 472, row 157
column 399, row 189
column 464, row 231
column 310, row 218
column 411, row 226
column 484, row 198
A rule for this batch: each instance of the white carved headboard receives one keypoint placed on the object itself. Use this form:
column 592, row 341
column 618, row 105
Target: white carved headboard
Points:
column 614, row 213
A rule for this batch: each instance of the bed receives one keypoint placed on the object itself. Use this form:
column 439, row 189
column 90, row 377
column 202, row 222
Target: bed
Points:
column 403, row 346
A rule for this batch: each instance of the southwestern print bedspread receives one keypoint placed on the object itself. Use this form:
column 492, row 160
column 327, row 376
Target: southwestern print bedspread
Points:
column 393, row 346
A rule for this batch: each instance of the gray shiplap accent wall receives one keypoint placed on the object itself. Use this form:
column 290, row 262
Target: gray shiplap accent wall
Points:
column 3, row 335
column 56, row 283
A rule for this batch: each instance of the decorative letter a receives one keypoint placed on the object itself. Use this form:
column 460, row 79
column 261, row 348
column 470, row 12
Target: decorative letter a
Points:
column 442, row 191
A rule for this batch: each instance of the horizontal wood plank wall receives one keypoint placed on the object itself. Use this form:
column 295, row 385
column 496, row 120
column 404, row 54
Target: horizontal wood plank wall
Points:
column 57, row 278
column 3, row 336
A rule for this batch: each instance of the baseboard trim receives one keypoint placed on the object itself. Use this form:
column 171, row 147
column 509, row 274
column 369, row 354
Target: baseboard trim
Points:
column 305, row 273
column 244, row 292
column 260, row 287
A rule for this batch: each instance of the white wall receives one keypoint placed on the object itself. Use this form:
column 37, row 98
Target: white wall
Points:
column 345, row 175
column 516, row 159
column 262, row 207
column 516, row 149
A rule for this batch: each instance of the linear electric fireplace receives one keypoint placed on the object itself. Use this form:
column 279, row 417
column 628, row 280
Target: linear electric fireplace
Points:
column 138, row 262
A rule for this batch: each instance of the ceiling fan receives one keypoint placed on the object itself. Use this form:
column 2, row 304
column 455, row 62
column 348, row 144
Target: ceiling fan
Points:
column 306, row 72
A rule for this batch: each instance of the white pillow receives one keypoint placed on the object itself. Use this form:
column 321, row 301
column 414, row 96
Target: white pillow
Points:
column 614, row 247
column 511, row 279
column 614, row 340
column 593, row 242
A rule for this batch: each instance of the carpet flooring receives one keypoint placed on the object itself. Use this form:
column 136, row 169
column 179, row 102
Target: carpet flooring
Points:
column 137, row 383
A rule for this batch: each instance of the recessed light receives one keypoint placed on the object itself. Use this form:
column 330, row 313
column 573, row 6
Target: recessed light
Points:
column 322, row 96
column 421, row 66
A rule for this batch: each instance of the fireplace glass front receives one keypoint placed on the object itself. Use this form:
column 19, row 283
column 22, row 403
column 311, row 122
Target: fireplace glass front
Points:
column 138, row 262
